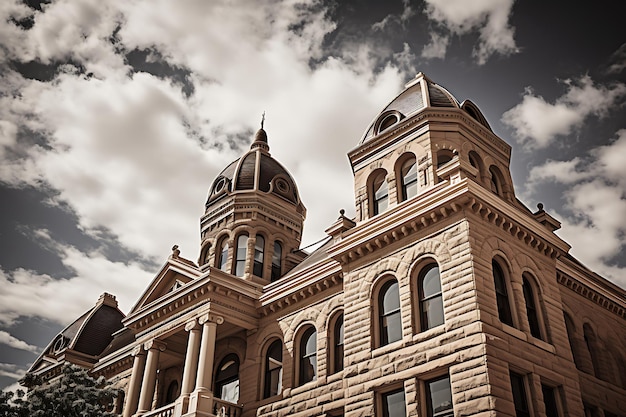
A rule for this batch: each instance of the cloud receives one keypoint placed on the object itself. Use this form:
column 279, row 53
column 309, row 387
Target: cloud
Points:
column 490, row 18
column 595, row 205
column 12, row 371
column 401, row 19
column 617, row 63
column 537, row 123
column 28, row 293
column 15, row 343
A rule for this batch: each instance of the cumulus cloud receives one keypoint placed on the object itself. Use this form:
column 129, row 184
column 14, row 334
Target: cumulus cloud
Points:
column 28, row 293
column 537, row 123
column 490, row 18
column 401, row 19
column 12, row 371
column 617, row 63
column 11, row 341
column 595, row 204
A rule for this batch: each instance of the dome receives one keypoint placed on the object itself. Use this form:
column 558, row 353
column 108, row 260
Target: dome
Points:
column 256, row 170
column 415, row 98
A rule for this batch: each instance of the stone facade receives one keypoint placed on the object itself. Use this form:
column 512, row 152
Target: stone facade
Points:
column 443, row 296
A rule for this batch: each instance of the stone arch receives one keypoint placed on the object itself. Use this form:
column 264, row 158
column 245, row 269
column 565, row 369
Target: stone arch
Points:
column 329, row 309
column 383, row 266
column 308, row 316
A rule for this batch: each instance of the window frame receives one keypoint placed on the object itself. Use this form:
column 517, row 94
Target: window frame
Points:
column 378, row 180
column 221, row 255
column 503, row 296
column 422, row 319
column 401, row 176
column 525, row 399
column 306, row 333
column 427, row 405
column 276, row 272
column 556, row 392
column 267, row 372
column 241, row 254
column 220, row 384
column 381, row 337
column 336, row 343
column 533, row 307
column 258, row 266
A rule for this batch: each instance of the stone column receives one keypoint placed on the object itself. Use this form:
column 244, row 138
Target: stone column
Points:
column 191, row 357
column 134, row 387
column 154, row 347
column 201, row 399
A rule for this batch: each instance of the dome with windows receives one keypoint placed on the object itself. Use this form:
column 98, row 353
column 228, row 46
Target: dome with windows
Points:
column 419, row 93
column 256, row 170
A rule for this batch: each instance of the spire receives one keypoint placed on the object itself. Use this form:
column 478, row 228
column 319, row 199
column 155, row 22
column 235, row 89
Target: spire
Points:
column 260, row 139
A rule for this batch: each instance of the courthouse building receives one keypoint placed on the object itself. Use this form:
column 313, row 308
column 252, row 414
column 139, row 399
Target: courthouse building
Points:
column 443, row 296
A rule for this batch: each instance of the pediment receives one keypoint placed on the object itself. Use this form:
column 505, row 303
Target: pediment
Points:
column 170, row 278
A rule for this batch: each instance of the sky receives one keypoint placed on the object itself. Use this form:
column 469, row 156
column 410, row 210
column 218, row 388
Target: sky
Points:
column 115, row 117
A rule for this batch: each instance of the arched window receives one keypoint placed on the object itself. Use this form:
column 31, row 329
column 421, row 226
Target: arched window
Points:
column 475, row 161
column 222, row 255
column 502, row 295
column 273, row 370
column 531, row 307
column 227, row 379
column 259, row 250
column 390, row 324
column 277, row 257
column 592, row 346
column 308, row 356
column 408, row 178
column 173, row 392
column 571, row 338
column 430, row 298
column 336, row 344
column 443, row 157
column 495, row 180
column 241, row 250
column 380, row 193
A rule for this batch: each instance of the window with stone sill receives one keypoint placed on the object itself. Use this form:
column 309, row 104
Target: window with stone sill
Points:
column 389, row 318
column 502, row 294
column 307, row 356
column 240, row 254
column 273, row 382
column 531, row 300
column 520, row 398
column 430, row 297
column 336, row 343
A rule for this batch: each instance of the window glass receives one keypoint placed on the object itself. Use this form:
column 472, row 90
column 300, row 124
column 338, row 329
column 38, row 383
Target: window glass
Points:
column 259, row 249
column 502, row 297
column 276, row 260
column 409, row 179
column 242, row 248
column 495, row 181
column 549, row 400
column 519, row 395
column 389, row 307
column 273, row 370
column 308, row 356
column 439, row 397
column 338, row 344
column 227, row 379
column 223, row 255
column 531, row 309
column 431, row 301
column 394, row 404
column 381, row 194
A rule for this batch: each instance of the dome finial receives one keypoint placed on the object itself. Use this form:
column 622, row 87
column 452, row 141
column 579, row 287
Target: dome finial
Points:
column 262, row 119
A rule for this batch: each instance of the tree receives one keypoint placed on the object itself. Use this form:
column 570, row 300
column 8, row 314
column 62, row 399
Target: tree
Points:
column 74, row 393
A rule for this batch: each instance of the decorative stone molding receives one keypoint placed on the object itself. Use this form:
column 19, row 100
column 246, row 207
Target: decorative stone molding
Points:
column 155, row 345
column 192, row 325
column 210, row 317
column 301, row 294
column 595, row 297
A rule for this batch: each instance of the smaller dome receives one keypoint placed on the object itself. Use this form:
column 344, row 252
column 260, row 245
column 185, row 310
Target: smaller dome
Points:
column 256, row 170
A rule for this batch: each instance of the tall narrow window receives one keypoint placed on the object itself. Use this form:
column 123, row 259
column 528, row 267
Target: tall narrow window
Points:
column 259, row 250
column 273, row 370
column 227, row 379
column 550, row 401
column 408, row 175
column 502, row 296
column 430, row 299
column 393, row 403
column 222, row 256
column 337, row 345
column 277, row 257
column 570, row 327
column 308, row 356
column 531, row 308
column 241, row 250
column 380, row 193
column 439, row 397
column 496, row 184
column 519, row 395
column 389, row 313
column 591, row 342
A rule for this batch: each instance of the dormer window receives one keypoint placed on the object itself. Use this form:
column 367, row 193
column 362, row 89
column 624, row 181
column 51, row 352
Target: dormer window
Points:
column 386, row 120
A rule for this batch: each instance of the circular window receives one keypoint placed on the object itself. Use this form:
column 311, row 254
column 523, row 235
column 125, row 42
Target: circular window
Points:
column 282, row 185
column 219, row 185
column 59, row 344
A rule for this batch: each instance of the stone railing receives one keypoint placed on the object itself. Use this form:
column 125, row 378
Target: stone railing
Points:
column 223, row 408
column 165, row 411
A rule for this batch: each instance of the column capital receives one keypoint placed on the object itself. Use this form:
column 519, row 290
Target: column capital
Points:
column 154, row 344
column 212, row 318
column 138, row 350
column 192, row 325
